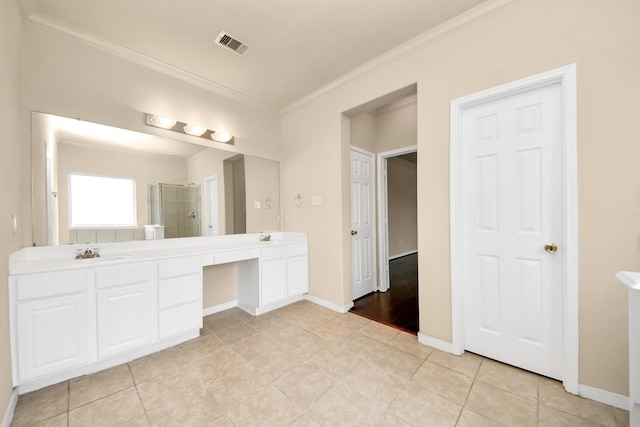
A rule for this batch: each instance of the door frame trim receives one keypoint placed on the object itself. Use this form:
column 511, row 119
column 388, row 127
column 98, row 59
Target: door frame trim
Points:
column 566, row 77
column 374, row 237
column 383, row 213
column 209, row 182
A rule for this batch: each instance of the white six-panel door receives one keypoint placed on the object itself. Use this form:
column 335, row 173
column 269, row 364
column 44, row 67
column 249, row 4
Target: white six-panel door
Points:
column 512, row 209
column 211, row 200
column 363, row 244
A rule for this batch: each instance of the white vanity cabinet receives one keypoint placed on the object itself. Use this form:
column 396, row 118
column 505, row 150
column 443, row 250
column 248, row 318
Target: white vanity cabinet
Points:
column 297, row 269
column 73, row 317
column 283, row 279
column 123, row 307
column 179, row 296
column 52, row 317
column 632, row 280
column 273, row 286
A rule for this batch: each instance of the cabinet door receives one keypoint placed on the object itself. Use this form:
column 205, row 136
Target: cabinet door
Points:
column 52, row 335
column 124, row 318
column 298, row 275
column 180, row 303
column 180, row 319
column 274, row 281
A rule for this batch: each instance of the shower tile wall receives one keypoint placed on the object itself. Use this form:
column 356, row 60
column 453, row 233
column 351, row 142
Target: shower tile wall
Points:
column 170, row 204
column 180, row 207
column 192, row 214
column 153, row 201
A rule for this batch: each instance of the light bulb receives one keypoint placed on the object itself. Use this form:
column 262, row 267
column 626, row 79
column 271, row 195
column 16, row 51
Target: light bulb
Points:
column 221, row 136
column 163, row 122
column 194, row 130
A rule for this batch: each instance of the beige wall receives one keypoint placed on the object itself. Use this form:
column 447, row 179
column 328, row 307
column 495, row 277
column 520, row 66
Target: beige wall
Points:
column 527, row 38
column 13, row 157
column 396, row 125
column 402, row 180
column 219, row 284
column 262, row 180
column 363, row 131
column 205, row 164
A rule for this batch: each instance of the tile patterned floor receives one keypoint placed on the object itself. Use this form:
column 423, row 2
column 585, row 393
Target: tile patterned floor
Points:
column 305, row 365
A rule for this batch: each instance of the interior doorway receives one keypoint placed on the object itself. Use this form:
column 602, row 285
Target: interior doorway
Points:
column 387, row 126
column 396, row 302
column 397, row 208
column 398, row 307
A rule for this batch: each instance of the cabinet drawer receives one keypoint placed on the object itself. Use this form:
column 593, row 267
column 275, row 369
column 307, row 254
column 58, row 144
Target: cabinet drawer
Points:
column 123, row 275
column 45, row 285
column 179, row 290
column 276, row 252
column 297, row 249
column 179, row 267
column 180, row 319
column 233, row 256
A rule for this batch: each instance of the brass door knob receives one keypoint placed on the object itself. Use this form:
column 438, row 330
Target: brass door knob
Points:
column 354, row 232
column 551, row 248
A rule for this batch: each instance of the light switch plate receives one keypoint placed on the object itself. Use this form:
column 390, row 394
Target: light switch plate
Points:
column 14, row 224
column 256, row 205
column 316, row 200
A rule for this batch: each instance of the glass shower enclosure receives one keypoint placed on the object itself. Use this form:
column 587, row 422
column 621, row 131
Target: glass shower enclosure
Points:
column 176, row 207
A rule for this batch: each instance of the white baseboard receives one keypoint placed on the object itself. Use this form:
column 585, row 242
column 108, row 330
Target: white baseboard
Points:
column 220, row 307
column 603, row 396
column 329, row 305
column 8, row 414
column 437, row 343
column 402, row 254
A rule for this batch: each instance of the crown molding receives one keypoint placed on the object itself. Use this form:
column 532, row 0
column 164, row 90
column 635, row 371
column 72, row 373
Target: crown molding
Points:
column 409, row 100
column 27, row 8
column 144, row 60
column 465, row 19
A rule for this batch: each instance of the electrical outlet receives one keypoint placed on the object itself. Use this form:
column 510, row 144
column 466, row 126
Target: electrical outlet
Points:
column 316, row 200
column 256, row 205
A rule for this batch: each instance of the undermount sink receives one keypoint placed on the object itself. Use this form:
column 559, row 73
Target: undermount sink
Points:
column 100, row 259
column 112, row 257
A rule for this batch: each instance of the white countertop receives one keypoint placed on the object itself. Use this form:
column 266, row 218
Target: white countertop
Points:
column 630, row 278
column 55, row 258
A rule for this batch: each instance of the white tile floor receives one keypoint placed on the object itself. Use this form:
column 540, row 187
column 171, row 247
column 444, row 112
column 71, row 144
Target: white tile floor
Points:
column 304, row 365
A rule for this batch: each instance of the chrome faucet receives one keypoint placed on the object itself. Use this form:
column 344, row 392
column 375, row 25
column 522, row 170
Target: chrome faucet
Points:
column 87, row 253
column 265, row 238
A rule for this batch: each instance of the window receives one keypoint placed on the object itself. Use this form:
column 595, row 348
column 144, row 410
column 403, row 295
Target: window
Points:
column 101, row 201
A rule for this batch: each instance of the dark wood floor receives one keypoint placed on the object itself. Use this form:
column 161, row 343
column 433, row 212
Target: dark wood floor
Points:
column 398, row 306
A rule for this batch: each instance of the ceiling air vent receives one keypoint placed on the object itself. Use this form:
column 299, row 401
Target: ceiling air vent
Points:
column 232, row 43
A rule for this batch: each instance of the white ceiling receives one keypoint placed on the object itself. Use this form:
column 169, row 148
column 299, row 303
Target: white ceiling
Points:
column 298, row 46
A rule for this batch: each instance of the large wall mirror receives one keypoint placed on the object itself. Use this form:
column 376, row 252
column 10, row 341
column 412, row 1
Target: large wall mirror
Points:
column 94, row 184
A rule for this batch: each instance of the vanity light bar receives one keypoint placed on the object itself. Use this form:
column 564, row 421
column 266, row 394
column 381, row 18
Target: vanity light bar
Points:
column 188, row 128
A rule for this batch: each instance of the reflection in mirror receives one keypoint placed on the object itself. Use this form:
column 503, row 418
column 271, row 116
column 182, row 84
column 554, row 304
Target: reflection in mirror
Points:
column 181, row 189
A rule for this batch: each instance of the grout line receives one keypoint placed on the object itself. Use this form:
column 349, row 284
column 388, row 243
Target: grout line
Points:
column 68, row 402
column 466, row 398
column 138, row 393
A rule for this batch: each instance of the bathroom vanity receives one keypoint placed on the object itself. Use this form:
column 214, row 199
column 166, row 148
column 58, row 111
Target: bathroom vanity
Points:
column 632, row 281
column 71, row 317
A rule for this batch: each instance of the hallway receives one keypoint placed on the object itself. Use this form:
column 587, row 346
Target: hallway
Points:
column 398, row 307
